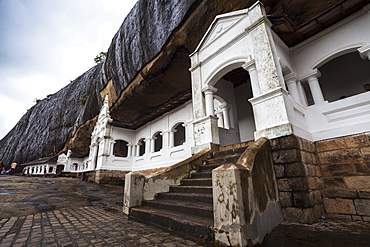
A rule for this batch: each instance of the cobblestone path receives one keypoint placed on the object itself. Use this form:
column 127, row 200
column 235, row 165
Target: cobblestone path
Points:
column 85, row 226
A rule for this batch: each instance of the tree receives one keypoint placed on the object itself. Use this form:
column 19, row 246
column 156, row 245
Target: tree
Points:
column 101, row 57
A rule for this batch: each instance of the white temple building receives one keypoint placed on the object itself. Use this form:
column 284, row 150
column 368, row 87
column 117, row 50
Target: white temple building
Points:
column 313, row 90
column 309, row 102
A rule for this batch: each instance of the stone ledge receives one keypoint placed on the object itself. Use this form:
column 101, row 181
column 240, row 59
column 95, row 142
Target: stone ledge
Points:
column 286, row 156
column 339, row 206
column 334, row 193
column 308, row 215
column 362, row 207
column 364, row 194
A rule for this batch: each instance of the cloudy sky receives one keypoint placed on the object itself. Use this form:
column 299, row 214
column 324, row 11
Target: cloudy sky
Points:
column 44, row 44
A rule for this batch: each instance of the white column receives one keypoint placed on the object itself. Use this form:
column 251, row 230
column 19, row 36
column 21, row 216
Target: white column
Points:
column 208, row 94
column 172, row 138
column 111, row 152
column 148, row 145
column 165, row 137
column 226, row 117
column 313, row 82
column 138, row 149
column 95, row 150
column 302, row 94
column 133, row 151
column 251, row 68
column 220, row 120
column 129, row 150
column 152, row 144
column 291, row 82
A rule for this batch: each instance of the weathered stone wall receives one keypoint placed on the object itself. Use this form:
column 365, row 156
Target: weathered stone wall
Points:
column 299, row 179
column 328, row 178
column 345, row 166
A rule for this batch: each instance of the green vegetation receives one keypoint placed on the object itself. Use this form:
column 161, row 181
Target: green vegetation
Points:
column 101, row 57
column 82, row 101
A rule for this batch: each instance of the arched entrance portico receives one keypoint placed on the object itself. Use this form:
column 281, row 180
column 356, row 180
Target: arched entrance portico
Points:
column 232, row 108
column 234, row 67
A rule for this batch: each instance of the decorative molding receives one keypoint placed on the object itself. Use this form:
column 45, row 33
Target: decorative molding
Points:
column 292, row 77
column 267, row 96
column 364, row 51
column 313, row 73
column 209, row 88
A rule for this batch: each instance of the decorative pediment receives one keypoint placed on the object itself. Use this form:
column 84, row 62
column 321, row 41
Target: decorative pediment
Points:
column 220, row 25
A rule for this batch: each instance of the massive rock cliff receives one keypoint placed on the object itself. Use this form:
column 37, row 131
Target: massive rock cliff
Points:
column 44, row 129
column 47, row 126
column 145, row 73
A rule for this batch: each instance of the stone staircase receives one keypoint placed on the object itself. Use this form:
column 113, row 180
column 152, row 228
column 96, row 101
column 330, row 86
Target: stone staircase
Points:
column 188, row 208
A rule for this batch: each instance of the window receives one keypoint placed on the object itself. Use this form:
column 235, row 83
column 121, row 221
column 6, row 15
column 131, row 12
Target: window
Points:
column 179, row 135
column 344, row 76
column 158, row 141
column 120, row 148
column 51, row 169
column 141, row 146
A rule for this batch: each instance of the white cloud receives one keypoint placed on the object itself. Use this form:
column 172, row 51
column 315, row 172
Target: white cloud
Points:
column 45, row 44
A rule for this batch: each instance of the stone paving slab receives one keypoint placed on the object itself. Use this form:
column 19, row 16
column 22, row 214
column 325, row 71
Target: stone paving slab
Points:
column 85, row 226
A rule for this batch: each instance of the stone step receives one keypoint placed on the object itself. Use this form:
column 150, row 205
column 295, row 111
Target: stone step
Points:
column 197, row 182
column 191, row 189
column 204, row 174
column 196, row 226
column 188, row 208
column 222, row 160
column 236, row 146
column 191, row 197
column 210, row 167
column 200, row 209
column 229, row 152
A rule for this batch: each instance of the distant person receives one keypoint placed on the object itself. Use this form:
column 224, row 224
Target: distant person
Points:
column 2, row 168
column 12, row 168
column 367, row 87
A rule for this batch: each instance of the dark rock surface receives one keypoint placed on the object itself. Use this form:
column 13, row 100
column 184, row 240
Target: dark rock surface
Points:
column 44, row 129
column 145, row 74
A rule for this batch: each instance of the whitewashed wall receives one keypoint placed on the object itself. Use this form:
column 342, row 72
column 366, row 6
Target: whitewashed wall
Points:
column 338, row 118
column 167, row 156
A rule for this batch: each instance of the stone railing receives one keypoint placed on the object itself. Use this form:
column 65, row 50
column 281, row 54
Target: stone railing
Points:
column 245, row 197
column 144, row 185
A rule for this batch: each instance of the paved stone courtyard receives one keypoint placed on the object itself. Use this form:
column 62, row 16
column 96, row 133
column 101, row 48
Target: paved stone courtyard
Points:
column 70, row 212
column 85, row 226
column 37, row 211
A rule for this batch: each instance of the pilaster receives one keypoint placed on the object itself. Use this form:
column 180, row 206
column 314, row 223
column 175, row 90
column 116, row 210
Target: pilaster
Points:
column 205, row 133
